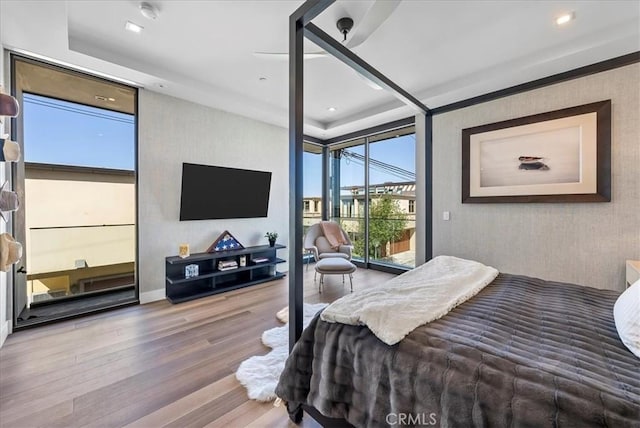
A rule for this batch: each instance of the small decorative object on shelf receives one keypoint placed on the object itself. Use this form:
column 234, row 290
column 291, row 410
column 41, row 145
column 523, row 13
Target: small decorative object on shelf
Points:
column 260, row 260
column 9, row 150
column 191, row 271
column 8, row 105
column 225, row 242
column 8, row 201
column 271, row 236
column 10, row 252
column 243, row 261
column 183, row 250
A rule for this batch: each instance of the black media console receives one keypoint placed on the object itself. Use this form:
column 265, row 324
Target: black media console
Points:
column 260, row 266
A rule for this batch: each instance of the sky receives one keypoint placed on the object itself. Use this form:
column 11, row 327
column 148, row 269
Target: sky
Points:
column 65, row 133
column 398, row 152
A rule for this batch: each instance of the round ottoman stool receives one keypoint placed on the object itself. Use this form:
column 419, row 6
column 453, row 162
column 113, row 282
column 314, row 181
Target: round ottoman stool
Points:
column 335, row 266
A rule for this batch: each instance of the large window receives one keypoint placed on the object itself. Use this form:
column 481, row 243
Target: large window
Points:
column 347, row 191
column 381, row 183
column 79, row 198
column 392, row 189
column 78, row 181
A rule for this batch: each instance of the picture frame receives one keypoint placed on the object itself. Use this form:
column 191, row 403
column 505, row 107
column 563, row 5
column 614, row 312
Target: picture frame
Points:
column 183, row 251
column 558, row 156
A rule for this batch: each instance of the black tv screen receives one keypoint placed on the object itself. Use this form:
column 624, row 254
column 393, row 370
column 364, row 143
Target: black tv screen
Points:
column 215, row 192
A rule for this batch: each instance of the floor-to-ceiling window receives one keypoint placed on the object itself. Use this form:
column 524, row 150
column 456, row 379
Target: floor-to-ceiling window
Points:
column 78, row 183
column 392, row 193
column 347, row 178
column 375, row 179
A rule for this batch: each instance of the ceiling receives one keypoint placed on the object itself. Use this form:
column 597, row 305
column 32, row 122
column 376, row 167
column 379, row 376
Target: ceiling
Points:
column 439, row 51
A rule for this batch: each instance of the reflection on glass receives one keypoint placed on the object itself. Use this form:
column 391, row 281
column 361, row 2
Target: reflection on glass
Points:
column 347, row 173
column 392, row 193
column 87, row 243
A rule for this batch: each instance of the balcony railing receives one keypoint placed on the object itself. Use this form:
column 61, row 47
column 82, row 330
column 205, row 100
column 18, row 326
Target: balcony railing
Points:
column 70, row 260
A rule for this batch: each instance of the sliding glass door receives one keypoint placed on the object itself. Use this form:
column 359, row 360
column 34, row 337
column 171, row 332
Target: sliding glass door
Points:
column 78, row 183
column 392, row 193
column 372, row 195
column 347, row 192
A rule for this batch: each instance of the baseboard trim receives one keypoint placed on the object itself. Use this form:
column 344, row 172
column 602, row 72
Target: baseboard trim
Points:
column 152, row 296
column 4, row 332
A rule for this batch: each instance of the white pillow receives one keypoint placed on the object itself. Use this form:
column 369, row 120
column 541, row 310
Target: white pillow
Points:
column 626, row 313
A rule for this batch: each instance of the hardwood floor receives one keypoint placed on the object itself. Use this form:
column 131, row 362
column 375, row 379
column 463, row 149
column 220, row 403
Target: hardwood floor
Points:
column 152, row 365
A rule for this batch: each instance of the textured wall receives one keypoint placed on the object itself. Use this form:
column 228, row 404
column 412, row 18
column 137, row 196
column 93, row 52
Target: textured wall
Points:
column 173, row 131
column 585, row 243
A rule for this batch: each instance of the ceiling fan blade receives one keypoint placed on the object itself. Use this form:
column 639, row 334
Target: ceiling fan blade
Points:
column 285, row 55
column 377, row 14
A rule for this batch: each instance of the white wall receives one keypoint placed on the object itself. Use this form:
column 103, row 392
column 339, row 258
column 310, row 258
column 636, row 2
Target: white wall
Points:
column 584, row 243
column 173, row 131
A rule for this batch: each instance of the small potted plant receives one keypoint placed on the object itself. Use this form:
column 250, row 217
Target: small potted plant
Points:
column 271, row 236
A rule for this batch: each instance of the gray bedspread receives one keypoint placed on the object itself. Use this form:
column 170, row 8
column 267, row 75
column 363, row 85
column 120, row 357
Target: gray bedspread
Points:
column 523, row 352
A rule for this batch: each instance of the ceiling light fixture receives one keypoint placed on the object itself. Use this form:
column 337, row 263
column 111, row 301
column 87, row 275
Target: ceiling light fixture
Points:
column 148, row 10
column 332, row 109
column 134, row 28
column 565, row 18
column 103, row 98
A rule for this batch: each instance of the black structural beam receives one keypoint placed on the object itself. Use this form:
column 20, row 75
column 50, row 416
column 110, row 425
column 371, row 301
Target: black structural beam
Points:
column 296, row 149
column 336, row 49
column 309, row 10
column 302, row 16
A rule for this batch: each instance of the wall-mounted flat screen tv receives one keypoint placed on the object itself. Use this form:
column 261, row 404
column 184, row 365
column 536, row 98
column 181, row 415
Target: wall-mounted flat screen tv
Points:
column 215, row 192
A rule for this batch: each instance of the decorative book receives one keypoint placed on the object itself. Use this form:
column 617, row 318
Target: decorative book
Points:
column 260, row 260
column 227, row 264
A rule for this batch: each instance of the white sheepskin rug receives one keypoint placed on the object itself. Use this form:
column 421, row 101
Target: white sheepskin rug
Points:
column 260, row 374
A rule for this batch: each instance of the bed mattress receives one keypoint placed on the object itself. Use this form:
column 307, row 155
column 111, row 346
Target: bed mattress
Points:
column 522, row 352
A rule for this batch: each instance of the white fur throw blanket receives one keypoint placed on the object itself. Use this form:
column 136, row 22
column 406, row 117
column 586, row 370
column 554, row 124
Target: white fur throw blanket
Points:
column 260, row 374
column 396, row 308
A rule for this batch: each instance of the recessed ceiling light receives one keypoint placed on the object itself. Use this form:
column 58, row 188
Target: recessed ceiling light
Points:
column 134, row 28
column 332, row 109
column 103, row 98
column 565, row 18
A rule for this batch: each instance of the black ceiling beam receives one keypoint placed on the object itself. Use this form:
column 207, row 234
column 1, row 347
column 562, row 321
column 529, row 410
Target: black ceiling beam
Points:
column 586, row 70
column 336, row 49
column 309, row 10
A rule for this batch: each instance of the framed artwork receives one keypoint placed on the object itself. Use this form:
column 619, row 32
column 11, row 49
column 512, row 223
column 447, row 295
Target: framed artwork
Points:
column 559, row 156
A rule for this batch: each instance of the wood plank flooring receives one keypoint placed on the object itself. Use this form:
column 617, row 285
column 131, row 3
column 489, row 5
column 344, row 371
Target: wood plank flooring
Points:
column 154, row 365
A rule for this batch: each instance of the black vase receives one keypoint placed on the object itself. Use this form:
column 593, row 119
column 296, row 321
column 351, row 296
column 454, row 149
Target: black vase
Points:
column 272, row 242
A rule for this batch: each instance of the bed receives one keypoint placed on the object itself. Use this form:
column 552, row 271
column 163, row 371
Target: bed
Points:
column 522, row 352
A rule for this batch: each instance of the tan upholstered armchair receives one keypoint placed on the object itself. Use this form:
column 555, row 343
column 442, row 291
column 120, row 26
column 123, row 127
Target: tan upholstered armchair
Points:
column 316, row 244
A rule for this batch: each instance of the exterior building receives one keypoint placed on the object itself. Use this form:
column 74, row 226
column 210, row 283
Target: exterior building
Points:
column 84, row 241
